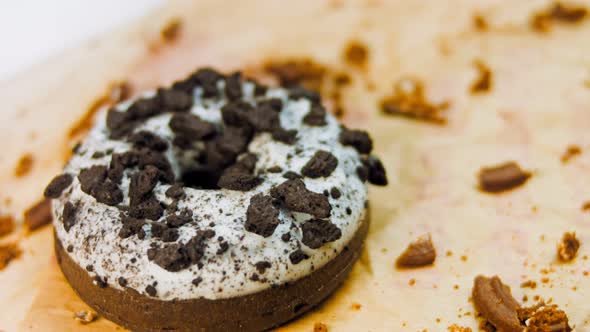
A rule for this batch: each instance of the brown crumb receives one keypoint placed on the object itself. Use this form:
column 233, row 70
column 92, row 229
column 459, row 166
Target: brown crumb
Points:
column 502, row 177
column 171, row 30
column 529, row 284
column 320, row 327
column 586, row 206
column 457, row 328
column 571, row 152
column 568, row 247
column 24, row 165
column 38, row 215
column 85, row 316
column 356, row 306
column 541, row 318
column 545, row 280
column 408, row 100
column 412, row 282
column 483, row 83
column 8, row 252
column 464, row 258
column 115, row 93
column 418, row 253
column 558, row 12
column 356, row 54
column 480, row 23
column 6, row 225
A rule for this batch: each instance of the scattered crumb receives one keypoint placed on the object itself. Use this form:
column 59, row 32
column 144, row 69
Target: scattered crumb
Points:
column 545, row 280
column 464, row 258
column 449, row 253
column 115, row 92
column 586, row 206
column 456, row 287
column 38, row 215
column 320, row 327
column 483, row 83
column 503, row 177
column 571, row 152
column 8, row 252
column 356, row 306
column 568, row 247
column 457, row 328
column 24, row 165
column 557, row 12
column 480, row 23
column 6, row 225
column 356, row 54
column 529, row 284
column 171, row 30
column 412, row 282
column 409, row 100
column 85, row 316
column 418, row 253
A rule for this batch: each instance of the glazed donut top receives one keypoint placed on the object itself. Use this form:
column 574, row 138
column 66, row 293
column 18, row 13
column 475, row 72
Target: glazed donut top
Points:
column 213, row 188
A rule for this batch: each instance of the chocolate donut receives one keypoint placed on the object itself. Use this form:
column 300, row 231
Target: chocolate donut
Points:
column 215, row 204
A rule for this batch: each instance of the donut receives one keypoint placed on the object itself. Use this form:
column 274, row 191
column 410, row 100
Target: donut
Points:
column 216, row 204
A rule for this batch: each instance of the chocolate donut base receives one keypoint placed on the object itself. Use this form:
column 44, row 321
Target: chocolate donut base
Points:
column 253, row 312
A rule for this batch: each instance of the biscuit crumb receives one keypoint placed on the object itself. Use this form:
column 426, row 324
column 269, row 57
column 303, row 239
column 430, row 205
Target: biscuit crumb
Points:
column 568, row 247
column 320, row 327
column 85, row 316
column 171, row 30
column 418, row 253
column 457, row 328
column 503, row 177
column 38, row 215
column 8, row 252
column 409, row 101
column 6, row 225
column 571, row 152
column 483, row 83
column 356, row 306
column 24, row 165
column 558, row 12
column 480, row 23
column 356, row 54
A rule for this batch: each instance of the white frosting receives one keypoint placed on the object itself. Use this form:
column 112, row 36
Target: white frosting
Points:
column 95, row 241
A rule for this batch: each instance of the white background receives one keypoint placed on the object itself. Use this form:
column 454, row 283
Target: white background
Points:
column 32, row 30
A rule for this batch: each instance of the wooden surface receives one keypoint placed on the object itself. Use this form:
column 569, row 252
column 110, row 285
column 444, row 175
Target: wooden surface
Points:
column 538, row 105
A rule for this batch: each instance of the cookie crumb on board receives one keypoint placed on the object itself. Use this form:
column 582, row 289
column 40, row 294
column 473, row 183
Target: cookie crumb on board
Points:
column 409, row 100
column 418, row 253
column 6, row 225
column 8, row 252
column 320, row 327
column 356, row 54
column 38, row 215
column 571, row 152
column 457, row 328
column 85, row 316
column 480, row 23
column 171, row 30
column 543, row 21
column 568, row 247
column 24, row 165
column 483, row 83
column 502, row 177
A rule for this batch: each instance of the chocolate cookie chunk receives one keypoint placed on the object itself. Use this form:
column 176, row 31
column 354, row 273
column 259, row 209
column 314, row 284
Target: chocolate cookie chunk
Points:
column 298, row 256
column 317, row 232
column 58, row 185
column 69, row 215
column 358, row 139
column 142, row 183
column 262, row 217
column 191, row 126
column 148, row 140
column 295, row 196
column 174, row 100
column 322, row 164
column 131, row 226
column 316, row 116
column 376, row 172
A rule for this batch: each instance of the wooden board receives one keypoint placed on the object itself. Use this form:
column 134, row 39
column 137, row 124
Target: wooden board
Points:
column 538, row 105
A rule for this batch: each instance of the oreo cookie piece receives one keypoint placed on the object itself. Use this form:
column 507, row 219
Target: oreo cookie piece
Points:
column 262, row 217
column 317, row 232
column 58, row 185
column 358, row 139
column 296, row 197
column 322, row 164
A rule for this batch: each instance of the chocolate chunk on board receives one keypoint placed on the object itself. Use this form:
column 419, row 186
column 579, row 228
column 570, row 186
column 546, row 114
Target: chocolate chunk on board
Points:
column 317, row 232
column 262, row 217
column 494, row 301
column 503, row 177
column 322, row 164
column 58, row 185
column 296, row 197
column 38, row 215
column 419, row 253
